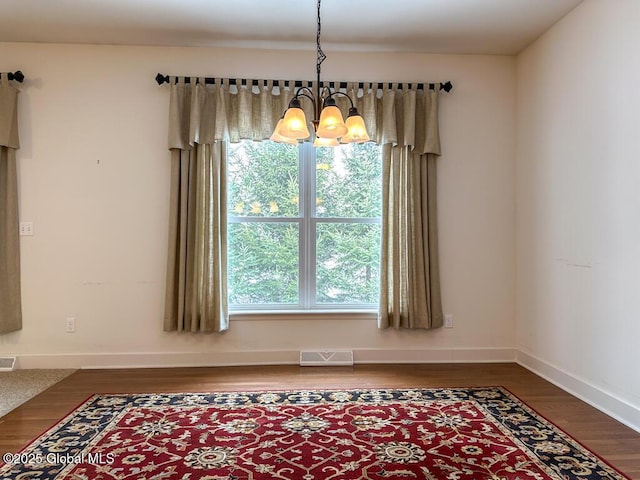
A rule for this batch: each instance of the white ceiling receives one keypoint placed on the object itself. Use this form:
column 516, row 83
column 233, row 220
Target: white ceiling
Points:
column 433, row 26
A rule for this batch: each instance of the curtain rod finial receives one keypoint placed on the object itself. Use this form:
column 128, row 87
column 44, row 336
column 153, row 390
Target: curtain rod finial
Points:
column 17, row 76
column 160, row 78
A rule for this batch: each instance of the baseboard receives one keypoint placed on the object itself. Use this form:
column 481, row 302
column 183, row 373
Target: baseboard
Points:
column 249, row 358
column 437, row 355
column 607, row 403
column 158, row 360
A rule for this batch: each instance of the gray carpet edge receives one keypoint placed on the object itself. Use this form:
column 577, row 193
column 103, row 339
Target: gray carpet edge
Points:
column 20, row 386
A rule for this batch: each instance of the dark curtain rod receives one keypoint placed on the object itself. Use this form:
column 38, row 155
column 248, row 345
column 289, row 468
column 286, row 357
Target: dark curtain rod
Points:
column 446, row 86
column 17, row 76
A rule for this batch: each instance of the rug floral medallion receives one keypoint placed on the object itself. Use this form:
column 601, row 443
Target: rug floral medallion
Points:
column 456, row 434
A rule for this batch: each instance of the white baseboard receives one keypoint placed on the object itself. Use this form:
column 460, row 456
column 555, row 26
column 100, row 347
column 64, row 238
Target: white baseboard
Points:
column 249, row 358
column 158, row 360
column 444, row 355
column 607, row 403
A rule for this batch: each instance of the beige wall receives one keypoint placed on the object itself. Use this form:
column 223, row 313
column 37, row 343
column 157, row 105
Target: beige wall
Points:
column 578, row 227
column 94, row 178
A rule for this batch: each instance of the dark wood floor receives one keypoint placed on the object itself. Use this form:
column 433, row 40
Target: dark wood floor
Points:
column 614, row 442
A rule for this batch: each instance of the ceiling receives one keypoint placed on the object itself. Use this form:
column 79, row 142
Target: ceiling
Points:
column 431, row 26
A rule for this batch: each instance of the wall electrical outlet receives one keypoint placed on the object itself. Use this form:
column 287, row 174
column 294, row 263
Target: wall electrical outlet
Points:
column 71, row 325
column 26, row 229
column 448, row 321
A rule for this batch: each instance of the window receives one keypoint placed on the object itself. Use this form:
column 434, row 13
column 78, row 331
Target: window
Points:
column 304, row 226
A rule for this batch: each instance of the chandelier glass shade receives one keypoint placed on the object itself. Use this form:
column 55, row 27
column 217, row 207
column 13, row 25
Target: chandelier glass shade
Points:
column 329, row 126
column 294, row 123
column 277, row 137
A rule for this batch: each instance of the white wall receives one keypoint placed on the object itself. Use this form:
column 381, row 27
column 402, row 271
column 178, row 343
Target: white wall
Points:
column 94, row 175
column 578, row 220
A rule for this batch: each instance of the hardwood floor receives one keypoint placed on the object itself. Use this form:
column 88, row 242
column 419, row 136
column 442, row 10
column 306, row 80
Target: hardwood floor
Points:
column 617, row 444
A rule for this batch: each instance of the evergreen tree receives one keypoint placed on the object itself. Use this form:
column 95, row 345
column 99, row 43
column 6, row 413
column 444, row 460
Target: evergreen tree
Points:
column 264, row 256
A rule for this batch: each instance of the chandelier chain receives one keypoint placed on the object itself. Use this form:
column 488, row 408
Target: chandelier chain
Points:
column 320, row 56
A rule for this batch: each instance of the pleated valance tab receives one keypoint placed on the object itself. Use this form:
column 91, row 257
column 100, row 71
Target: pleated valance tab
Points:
column 8, row 114
column 203, row 113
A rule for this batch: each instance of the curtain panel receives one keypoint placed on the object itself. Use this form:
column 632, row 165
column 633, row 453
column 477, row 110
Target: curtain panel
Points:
column 10, row 296
column 410, row 279
column 203, row 118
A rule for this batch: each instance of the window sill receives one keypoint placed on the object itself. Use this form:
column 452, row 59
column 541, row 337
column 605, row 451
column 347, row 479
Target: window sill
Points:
column 303, row 315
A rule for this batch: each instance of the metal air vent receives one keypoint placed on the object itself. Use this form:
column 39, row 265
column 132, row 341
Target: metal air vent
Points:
column 315, row 358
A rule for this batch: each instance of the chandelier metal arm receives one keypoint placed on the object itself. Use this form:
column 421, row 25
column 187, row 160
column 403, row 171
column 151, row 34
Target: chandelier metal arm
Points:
column 305, row 92
column 338, row 92
column 322, row 99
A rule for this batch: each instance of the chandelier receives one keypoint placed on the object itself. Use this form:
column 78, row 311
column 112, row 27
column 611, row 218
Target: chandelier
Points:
column 329, row 126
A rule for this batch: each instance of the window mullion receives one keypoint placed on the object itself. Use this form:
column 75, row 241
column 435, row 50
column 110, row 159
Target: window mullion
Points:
column 307, row 258
column 302, row 245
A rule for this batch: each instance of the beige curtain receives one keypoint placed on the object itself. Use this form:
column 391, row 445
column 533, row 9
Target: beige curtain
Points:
column 410, row 284
column 196, row 299
column 204, row 117
column 202, row 120
column 10, row 300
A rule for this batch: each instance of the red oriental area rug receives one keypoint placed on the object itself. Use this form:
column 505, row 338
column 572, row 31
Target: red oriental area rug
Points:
column 456, row 434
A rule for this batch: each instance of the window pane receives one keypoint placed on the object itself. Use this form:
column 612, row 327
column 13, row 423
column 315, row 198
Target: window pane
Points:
column 348, row 257
column 263, row 263
column 263, row 179
column 348, row 181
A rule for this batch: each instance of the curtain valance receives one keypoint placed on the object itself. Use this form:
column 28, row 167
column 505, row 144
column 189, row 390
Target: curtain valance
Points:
column 202, row 113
